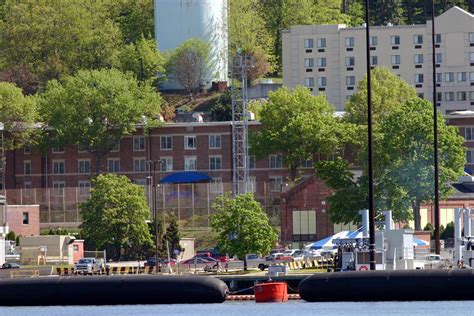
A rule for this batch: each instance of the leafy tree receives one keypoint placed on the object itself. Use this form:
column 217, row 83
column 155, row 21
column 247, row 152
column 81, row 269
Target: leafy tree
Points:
column 406, row 151
column 135, row 19
column 447, row 232
column 242, row 226
column 296, row 125
column 96, row 108
column 21, row 77
column 173, row 237
column 18, row 113
column 383, row 12
column 10, row 236
column 114, row 217
column 56, row 38
column 189, row 62
column 142, row 59
column 222, row 109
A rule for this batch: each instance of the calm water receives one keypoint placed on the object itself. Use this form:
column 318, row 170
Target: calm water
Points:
column 253, row 309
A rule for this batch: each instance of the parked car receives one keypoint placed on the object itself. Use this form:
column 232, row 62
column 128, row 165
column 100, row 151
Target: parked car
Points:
column 11, row 265
column 89, row 266
column 198, row 263
column 212, row 253
column 150, row 262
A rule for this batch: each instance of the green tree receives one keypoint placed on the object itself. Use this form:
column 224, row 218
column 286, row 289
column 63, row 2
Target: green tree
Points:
column 18, row 113
column 143, row 60
column 189, row 63
column 406, row 152
column 383, row 12
column 242, row 226
column 57, row 38
column 296, row 125
column 95, row 108
column 447, row 232
column 173, row 237
column 135, row 19
column 114, row 217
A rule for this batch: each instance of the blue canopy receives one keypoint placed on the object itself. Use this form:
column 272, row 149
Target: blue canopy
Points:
column 186, row 177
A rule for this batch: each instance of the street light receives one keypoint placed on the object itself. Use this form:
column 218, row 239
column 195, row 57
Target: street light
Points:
column 152, row 164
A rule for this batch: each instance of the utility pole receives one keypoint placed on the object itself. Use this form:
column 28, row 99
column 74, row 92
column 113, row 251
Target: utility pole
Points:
column 370, row 143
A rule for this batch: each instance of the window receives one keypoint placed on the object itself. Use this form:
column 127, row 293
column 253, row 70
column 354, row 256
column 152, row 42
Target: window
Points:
column 471, row 76
column 27, row 189
column 308, row 43
column 321, row 62
column 471, row 37
column 309, row 82
column 438, row 38
column 58, row 149
column 252, row 162
column 139, row 164
column 116, row 147
column 350, row 41
column 166, row 164
column 113, row 165
column 58, row 188
column 373, row 41
column 395, row 40
column 449, row 77
column 418, row 39
column 321, row 42
column 421, row 95
column 84, row 166
column 469, row 133
column 321, row 81
column 216, row 185
column 350, row 80
column 215, row 163
column 419, row 78
column 166, row 142
column 304, row 225
column 138, row 143
column 276, row 162
column 418, row 58
column 82, row 146
column 307, row 163
column 27, row 149
column 26, row 218
column 190, row 163
column 439, row 96
column 449, row 96
column 462, row 76
column 27, row 167
column 309, row 62
column 470, row 156
column 84, row 187
column 461, row 96
column 275, row 184
column 58, row 167
column 190, row 142
column 252, row 185
column 439, row 58
column 395, row 59
column 374, row 61
column 439, row 77
column 471, row 95
column 471, row 57
column 350, row 61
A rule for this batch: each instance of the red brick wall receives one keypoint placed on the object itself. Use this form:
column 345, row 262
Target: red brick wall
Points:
column 311, row 194
column 15, row 219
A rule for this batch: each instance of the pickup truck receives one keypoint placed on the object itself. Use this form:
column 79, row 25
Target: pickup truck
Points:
column 253, row 261
column 89, row 266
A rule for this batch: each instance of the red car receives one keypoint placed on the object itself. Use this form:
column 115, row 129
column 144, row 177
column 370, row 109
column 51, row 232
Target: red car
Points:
column 213, row 254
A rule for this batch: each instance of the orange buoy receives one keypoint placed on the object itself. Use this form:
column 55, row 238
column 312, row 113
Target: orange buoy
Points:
column 271, row 292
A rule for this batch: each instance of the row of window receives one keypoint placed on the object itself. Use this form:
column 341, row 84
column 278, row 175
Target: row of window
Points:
column 455, row 96
column 373, row 41
column 140, row 164
column 450, row 76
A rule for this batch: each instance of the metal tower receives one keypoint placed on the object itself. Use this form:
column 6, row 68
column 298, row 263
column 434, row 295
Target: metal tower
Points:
column 239, row 124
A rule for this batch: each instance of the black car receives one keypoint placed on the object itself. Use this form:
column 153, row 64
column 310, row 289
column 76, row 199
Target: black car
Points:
column 10, row 265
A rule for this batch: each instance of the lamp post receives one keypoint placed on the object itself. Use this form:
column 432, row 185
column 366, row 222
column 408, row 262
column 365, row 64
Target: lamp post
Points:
column 153, row 206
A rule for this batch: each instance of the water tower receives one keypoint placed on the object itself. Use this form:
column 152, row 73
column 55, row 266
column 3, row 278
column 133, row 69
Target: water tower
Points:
column 179, row 20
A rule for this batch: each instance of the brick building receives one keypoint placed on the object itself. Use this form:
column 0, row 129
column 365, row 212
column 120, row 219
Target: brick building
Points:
column 23, row 220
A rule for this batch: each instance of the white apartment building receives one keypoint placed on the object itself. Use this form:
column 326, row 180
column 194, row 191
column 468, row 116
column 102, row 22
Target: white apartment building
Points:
column 331, row 59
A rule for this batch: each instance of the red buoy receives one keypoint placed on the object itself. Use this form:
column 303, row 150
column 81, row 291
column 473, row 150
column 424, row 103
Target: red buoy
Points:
column 271, row 292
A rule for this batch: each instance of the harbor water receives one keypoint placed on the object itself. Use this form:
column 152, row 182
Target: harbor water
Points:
column 229, row 308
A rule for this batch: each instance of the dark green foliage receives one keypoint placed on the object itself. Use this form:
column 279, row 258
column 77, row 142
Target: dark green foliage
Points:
column 447, row 232
column 173, row 237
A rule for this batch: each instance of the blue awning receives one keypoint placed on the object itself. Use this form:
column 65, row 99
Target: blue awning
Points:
column 186, row 177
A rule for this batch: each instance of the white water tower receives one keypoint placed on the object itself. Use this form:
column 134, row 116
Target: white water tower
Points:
column 179, row 20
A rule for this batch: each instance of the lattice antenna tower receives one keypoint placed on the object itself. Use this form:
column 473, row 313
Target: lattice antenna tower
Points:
column 240, row 175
